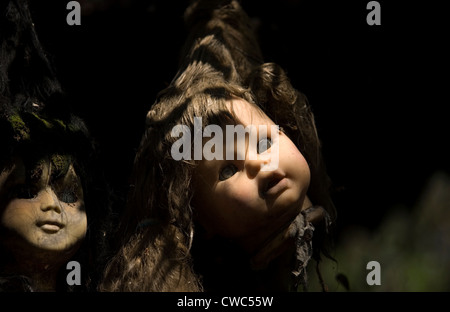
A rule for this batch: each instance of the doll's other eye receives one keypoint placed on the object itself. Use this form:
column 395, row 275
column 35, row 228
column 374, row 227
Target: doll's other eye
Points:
column 264, row 145
column 68, row 196
column 227, row 172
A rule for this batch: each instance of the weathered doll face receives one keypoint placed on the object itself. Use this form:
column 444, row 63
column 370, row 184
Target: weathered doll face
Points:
column 235, row 199
column 42, row 217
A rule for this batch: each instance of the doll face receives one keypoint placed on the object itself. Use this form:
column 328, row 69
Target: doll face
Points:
column 235, row 199
column 42, row 217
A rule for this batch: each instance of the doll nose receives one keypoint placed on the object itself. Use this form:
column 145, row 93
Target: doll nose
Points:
column 49, row 200
column 253, row 166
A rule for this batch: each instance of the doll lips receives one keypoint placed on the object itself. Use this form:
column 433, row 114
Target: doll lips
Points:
column 50, row 226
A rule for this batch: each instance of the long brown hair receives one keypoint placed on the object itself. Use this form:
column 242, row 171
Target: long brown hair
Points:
column 221, row 61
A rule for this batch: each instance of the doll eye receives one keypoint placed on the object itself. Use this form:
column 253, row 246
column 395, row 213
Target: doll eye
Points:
column 264, row 145
column 227, row 172
column 68, row 196
column 25, row 192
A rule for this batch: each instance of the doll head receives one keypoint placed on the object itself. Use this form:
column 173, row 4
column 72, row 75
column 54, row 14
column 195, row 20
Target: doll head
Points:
column 43, row 214
column 43, row 189
column 247, row 198
column 213, row 205
column 43, row 205
column 194, row 222
column 48, row 167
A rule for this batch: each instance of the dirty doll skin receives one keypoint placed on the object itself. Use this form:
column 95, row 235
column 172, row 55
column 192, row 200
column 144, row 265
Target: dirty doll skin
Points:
column 43, row 220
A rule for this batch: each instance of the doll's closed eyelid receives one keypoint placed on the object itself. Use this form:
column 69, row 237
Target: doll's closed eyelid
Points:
column 69, row 189
column 69, row 196
column 25, row 191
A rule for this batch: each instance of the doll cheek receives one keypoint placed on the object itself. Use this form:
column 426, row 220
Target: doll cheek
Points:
column 17, row 213
column 241, row 194
column 79, row 230
column 75, row 214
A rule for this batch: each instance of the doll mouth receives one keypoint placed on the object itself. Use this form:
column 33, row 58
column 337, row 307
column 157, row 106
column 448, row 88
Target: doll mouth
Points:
column 50, row 226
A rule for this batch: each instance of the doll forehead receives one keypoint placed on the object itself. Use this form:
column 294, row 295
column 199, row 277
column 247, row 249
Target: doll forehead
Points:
column 51, row 167
column 248, row 114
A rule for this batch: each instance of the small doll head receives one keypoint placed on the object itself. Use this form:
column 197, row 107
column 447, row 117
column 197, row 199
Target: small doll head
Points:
column 53, row 199
column 43, row 212
column 44, row 186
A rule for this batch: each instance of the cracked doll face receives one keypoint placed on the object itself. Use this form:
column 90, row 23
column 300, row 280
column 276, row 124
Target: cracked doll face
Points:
column 43, row 215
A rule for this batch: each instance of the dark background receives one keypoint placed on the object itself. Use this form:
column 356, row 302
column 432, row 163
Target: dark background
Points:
column 378, row 92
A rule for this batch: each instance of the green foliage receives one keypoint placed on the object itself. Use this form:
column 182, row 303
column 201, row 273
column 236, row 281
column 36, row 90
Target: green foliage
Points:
column 411, row 245
column 21, row 131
